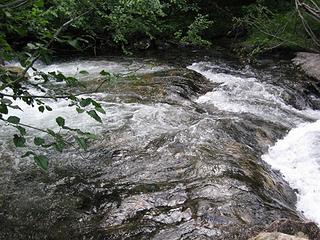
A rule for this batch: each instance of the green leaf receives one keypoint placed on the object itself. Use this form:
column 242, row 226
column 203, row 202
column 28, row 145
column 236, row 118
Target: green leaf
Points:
column 93, row 114
column 104, row 73
column 60, row 121
column 52, row 133
column 82, row 143
column 80, row 110
column 59, row 145
column 84, row 72
column 39, row 3
column 101, row 110
column 96, row 104
column 31, row 46
column 73, row 98
column 13, row 119
column 3, row 109
column 38, row 141
column 19, row 141
column 85, row 102
column 42, row 161
column 41, row 109
column 48, row 108
column 22, row 130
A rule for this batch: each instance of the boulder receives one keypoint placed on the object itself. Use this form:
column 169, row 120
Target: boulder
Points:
column 309, row 63
column 276, row 236
column 171, row 85
column 291, row 227
column 14, row 71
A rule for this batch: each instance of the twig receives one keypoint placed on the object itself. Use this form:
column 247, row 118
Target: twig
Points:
column 13, row 4
column 33, row 96
column 314, row 13
column 305, row 24
column 25, row 125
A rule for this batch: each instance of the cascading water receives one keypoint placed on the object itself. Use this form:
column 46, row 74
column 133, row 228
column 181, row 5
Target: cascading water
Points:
column 179, row 157
column 297, row 155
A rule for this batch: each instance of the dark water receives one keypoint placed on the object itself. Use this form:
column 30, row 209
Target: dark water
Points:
column 178, row 156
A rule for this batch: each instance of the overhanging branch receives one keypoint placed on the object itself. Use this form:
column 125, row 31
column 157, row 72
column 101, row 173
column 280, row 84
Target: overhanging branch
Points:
column 13, row 4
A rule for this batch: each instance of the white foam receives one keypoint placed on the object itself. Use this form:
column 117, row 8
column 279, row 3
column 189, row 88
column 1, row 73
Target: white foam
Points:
column 116, row 113
column 241, row 94
column 297, row 156
column 94, row 67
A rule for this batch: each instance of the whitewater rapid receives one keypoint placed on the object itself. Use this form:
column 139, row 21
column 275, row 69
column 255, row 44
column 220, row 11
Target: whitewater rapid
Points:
column 297, row 155
column 93, row 67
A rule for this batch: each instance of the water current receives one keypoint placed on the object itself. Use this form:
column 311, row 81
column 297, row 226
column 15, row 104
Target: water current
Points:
column 202, row 148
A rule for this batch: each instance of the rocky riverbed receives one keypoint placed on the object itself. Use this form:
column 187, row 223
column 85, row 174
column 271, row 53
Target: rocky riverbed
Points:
column 179, row 154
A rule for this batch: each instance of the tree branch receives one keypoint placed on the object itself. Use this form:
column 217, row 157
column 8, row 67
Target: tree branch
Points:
column 13, row 4
column 38, row 55
column 305, row 23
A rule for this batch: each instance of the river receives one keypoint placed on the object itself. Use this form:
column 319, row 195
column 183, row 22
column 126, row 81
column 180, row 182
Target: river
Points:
column 193, row 147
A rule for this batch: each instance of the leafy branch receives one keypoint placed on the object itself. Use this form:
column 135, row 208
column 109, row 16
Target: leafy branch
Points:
column 59, row 141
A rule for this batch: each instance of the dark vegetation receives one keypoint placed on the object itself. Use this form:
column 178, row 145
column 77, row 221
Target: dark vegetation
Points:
column 36, row 29
column 261, row 25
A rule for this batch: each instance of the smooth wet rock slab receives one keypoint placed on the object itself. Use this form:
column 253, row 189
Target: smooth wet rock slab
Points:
column 165, row 167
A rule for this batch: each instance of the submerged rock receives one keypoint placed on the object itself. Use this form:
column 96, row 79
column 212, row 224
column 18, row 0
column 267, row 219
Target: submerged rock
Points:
column 166, row 167
column 309, row 63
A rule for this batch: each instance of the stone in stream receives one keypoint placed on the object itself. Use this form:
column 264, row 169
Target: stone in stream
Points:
column 286, row 229
column 172, row 86
column 165, row 167
column 309, row 63
column 14, row 72
column 277, row 236
column 309, row 229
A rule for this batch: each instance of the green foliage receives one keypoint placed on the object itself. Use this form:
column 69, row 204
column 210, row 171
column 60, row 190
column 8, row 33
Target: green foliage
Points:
column 38, row 28
column 28, row 33
column 109, row 23
column 193, row 35
column 42, row 161
column 132, row 17
column 14, row 81
column 279, row 27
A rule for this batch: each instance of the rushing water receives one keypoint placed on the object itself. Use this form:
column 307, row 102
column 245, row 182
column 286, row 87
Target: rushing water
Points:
column 297, row 155
column 180, row 156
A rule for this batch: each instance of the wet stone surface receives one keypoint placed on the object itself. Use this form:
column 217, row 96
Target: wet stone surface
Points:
column 166, row 167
